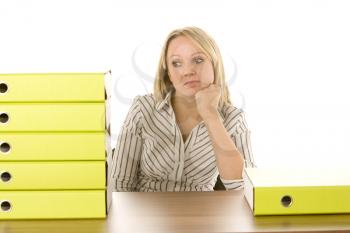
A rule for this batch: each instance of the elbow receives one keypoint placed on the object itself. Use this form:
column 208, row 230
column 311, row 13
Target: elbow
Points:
column 124, row 186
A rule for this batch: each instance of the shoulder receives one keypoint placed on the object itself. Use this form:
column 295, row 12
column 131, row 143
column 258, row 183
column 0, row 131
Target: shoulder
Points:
column 232, row 113
column 145, row 101
column 140, row 109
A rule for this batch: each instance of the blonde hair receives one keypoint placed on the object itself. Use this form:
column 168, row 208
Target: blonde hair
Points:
column 163, row 85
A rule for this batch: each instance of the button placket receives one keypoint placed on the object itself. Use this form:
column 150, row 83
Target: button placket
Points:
column 179, row 146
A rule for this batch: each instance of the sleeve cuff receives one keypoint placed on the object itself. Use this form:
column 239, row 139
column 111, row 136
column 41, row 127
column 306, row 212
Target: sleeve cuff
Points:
column 233, row 184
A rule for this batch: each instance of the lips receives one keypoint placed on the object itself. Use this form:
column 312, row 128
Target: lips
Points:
column 192, row 82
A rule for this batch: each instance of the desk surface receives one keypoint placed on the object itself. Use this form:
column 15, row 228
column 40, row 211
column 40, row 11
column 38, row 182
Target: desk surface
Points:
column 218, row 211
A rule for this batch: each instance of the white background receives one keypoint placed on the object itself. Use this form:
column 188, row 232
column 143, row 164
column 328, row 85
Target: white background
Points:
column 288, row 62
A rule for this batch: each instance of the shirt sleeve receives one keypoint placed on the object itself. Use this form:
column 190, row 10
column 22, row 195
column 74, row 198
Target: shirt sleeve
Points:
column 240, row 134
column 128, row 150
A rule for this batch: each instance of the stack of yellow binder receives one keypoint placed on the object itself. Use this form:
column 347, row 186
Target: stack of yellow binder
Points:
column 54, row 145
column 297, row 191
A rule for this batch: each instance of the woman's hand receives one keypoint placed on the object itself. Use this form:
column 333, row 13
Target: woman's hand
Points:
column 207, row 101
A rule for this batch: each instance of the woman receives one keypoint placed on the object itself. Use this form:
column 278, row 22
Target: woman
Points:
column 185, row 134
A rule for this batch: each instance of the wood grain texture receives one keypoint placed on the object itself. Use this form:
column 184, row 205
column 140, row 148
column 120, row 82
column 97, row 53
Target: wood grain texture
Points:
column 183, row 212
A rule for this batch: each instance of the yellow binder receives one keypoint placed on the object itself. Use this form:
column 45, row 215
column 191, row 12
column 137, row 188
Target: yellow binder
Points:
column 109, row 182
column 53, row 146
column 52, row 175
column 52, row 117
column 52, row 204
column 297, row 191
column 53, row 87
column 55, row 151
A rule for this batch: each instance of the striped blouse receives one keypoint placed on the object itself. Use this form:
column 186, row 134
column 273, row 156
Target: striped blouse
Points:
column 151, row 155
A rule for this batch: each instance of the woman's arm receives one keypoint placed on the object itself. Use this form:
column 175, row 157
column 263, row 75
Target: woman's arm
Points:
column 128, row 150
column 229, row 160
column 232, row 149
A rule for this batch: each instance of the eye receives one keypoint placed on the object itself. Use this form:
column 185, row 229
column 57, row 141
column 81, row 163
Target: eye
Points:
column 198, row 60
column 176, row 63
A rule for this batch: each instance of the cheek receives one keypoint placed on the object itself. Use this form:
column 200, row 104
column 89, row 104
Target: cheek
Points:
column 174, row 76
column 175, row 72
column 207, row 75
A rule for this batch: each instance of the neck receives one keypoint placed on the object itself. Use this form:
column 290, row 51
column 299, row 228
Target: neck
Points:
column 185, row 108
column 186, row 102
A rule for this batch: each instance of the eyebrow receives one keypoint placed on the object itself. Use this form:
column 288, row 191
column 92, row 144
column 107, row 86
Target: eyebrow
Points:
column 174, row 55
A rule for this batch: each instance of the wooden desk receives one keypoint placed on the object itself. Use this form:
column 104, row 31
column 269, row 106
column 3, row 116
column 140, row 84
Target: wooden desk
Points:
column 182, row 212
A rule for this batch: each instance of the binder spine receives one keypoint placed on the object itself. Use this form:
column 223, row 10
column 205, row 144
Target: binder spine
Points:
column 69, row 123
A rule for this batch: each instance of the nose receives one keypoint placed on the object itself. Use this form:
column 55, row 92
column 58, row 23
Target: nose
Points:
column 189, row 71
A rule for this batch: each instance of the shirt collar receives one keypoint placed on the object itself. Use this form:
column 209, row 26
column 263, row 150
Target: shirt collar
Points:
column 165, row 102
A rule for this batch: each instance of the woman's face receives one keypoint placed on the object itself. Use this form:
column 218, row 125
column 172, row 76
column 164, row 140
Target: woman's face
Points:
column 189, row 69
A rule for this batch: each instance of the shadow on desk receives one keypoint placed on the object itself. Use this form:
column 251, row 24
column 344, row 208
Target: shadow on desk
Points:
column 53, row 226
column 305, row 223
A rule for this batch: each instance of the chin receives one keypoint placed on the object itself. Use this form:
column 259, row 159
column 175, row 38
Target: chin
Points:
column 190, row 93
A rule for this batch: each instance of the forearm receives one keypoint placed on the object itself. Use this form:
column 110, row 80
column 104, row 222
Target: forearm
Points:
column 229, row 159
